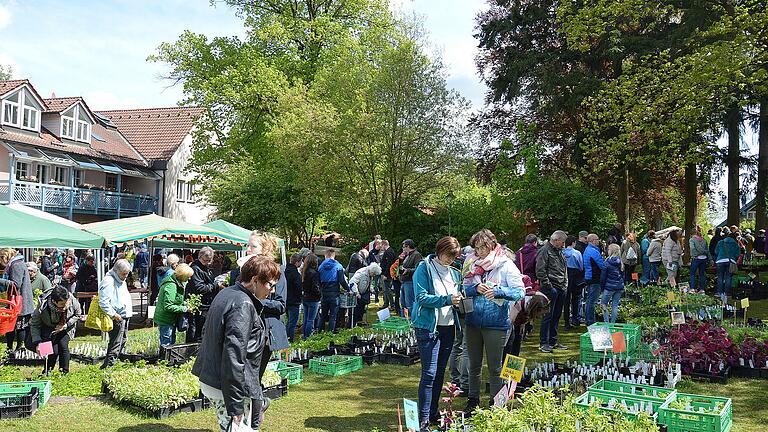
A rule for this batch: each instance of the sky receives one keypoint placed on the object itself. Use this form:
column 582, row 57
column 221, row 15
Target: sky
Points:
column 98, row 49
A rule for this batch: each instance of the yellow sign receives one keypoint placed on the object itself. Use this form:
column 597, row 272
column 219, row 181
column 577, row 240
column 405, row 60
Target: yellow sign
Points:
column 513, row 368
column 671, row 296
column 744, row 303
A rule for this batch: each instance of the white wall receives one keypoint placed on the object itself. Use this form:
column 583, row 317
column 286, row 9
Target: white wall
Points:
column 197, row 212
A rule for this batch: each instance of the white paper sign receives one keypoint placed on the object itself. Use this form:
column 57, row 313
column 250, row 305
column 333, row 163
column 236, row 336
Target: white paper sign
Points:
column 383, row 314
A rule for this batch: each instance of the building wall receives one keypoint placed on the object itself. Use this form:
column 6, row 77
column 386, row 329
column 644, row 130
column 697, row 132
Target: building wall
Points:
column 52, row 122
column 5, row 165
column 197, row 212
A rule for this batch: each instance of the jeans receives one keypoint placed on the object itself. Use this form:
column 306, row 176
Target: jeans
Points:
column 572, row 298
column 613, row 297
column 493, row 341
column 646, row 276
column 407, row 295
column 548, row 334
column 330, row 310
column 654, row 271
column 293, row 319
column 628, row 270
column 117, row 337
column 458, row 362
column 310, row 315
column 167, row 335
column 434, row 350
column 723, row 279
column 515, row 340
column 143, row 276
column 593, row 294
column 698, row 265
column 386, row 291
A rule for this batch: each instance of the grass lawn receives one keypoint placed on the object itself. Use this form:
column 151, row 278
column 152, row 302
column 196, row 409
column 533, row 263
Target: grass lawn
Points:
column 357, row 402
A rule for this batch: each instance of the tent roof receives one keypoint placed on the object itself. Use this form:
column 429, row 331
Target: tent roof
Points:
column 235, row 230
column 44, row 215
column 23, row 230
column 149, row 227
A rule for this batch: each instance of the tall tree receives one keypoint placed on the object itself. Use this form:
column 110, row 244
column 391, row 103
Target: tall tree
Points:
column 5, row 72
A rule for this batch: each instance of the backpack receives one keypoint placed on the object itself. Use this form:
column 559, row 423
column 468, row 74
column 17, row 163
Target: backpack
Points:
column 631, row 256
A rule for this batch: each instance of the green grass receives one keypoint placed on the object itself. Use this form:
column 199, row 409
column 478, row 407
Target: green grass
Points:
column 360, row 401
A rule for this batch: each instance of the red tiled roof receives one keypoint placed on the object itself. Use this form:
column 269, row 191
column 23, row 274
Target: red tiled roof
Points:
column 60, row 104
column 6, row 86
column 114, row 149
column 155, row 132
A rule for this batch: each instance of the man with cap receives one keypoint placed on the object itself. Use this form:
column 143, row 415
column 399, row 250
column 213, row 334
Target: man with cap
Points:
column 412, row 259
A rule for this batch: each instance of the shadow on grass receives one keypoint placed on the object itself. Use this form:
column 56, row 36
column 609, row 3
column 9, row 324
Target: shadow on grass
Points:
column 360, row 422
column 157, row 427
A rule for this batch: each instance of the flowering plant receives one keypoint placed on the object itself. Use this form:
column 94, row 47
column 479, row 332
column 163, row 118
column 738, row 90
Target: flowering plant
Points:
column 702, row 348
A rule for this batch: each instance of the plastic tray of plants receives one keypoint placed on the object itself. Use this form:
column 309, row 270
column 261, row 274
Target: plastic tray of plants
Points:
column 693, row 413
column 19, row 404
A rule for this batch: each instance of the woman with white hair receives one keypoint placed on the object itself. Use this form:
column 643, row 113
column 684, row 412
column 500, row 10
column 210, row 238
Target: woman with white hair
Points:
column 38, row 281
column 361, row 284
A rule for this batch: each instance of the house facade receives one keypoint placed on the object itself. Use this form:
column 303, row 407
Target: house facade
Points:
column 59, row 156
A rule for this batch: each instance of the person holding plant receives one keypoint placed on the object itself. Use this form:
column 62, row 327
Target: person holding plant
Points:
column 612, row 282
column 727, row 252
column 672, row 256
column 492, row 280
column 16, row 273
column 55, row 320
column 234, row 344
column 436, row 293
column 699, row 259
column 311, row 294
column 170, row 303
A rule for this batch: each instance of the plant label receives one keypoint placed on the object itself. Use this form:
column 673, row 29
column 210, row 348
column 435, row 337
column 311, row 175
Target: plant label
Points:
column 635, row 277
column 601, row 338
column 678, row 318
column 45, row 349
column 383, row 314
column 744, row 303
column 502, row 397
column 411, row 410
column 151, row 312
column 619, row 343
column 513, row 368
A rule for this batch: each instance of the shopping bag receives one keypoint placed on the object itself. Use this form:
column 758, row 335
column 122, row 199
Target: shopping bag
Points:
column 97, row 319
column 9, row 310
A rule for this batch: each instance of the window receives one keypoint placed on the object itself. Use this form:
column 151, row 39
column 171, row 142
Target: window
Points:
column 22, row 170
column 78, row 177
column 75, row 124
column 67, row 127
column 181, row 191
column 83, row 131
column 60, row 175
column 22, row 101
column 10, row 113
column 190, row 193
column 112, row 181
column 30, row 118
column 42, row 174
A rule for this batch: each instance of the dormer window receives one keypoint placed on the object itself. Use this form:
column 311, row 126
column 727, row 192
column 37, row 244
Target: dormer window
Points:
column 22, row 110
column 76, row 125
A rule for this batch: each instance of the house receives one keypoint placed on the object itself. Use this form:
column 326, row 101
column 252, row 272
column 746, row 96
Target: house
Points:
column 163, row 137
column 746, row 213
column 59, row 156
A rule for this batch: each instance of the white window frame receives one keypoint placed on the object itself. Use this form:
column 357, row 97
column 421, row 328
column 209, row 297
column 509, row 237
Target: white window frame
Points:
column 85, row 128
column 78, row 178
column 79, row 130
column 12, row 106
column 34, row 116
column 181, row 191
column 70, row 129
column 22, row 166
column 22, row 109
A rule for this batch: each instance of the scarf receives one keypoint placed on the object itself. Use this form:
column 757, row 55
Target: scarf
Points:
column 478, row 267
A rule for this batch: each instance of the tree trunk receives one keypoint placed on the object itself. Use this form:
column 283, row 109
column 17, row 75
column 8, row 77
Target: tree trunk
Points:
column 762, row 167
column 691, row 201
column 622, row 199
column 732, row 161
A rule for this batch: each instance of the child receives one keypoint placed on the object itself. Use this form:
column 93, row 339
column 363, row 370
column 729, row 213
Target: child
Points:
column 612, row 282
column 530, row 308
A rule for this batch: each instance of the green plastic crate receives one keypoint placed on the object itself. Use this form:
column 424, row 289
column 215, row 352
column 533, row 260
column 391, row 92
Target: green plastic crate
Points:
column 630, row 330
column 642, row 391
column 293, row 372
column 394, row 324
column 335, row 365
column 584, row 402
column 688, row 421
column 43, row 388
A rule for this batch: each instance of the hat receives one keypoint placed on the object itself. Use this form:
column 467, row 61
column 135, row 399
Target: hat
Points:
column 583, row 233
column 410, row 243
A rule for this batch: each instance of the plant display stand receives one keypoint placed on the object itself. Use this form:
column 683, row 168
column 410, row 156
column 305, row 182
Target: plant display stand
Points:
column 293, row 372
column 197, row 404
column 393, row 324
column 335, row 365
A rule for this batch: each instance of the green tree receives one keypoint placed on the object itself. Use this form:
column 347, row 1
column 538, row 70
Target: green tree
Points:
column 5, row 72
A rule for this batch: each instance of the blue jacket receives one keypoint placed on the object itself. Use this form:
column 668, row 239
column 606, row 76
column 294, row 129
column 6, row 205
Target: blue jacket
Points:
column 593, row 264
column 426, row 302
column 727, row 248
column 332, row 278
column 612, row 278
column 142, row 260
column 644, row 245
column 494, row 314
column 573, row 258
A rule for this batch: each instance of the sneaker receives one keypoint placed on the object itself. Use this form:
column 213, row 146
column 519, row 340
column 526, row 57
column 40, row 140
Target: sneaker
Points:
column 559, row 346
column 545, row 348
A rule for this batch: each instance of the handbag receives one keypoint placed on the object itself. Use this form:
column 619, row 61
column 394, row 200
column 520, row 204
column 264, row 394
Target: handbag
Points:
column 98, row 319
column 733, row 268
column 182, row 322
column 9, row 310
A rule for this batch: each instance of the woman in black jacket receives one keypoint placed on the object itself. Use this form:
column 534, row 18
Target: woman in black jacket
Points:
column 293, row 299
column 54, row 320
column 233, row 344
column 311, row 293
column 87, row 280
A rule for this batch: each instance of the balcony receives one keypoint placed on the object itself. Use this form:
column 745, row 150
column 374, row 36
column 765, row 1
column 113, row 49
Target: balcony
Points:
column 63, row 199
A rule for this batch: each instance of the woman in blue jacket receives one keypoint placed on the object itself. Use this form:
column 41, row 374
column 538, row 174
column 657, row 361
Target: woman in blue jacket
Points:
column 436, row 292
column 727, row 252
column 493, row 281
column 612, row 282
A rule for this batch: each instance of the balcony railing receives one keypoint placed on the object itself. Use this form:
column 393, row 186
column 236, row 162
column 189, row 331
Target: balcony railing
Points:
column 62, row 198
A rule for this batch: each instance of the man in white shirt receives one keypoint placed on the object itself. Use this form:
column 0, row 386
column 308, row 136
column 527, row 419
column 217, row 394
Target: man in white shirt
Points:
column 115, row 301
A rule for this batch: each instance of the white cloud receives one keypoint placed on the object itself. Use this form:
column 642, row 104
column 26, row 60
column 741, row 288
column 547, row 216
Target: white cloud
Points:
column 5, row 16
column 104, row 100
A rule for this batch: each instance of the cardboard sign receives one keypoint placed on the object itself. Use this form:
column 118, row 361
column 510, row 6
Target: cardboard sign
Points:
column 513, row 368
column 383, row 314
column 411, row 409
column 601, row 337
column 635, row 277
column 45, row 348
column 619, row 343
column 744, row 303
column 678, row 318
column 502, row 397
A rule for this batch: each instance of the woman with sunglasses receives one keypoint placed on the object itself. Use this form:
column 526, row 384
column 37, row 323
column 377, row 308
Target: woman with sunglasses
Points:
column 54, row 320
